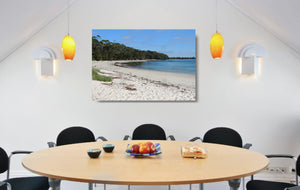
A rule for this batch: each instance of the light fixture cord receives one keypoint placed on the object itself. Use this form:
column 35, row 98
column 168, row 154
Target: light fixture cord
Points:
column 68, row 16
column 216, row 16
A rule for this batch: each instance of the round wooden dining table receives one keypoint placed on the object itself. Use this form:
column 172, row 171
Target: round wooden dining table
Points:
column 71, row 162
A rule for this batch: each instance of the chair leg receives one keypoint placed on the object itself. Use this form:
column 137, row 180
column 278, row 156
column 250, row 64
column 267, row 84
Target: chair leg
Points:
column 190, row 186
column 234, row 184
column 243, row 183
column 201, row 186
column 8, row 186
column 169, row 187
column 128, row 187
column 91, row 186
column 54, row 184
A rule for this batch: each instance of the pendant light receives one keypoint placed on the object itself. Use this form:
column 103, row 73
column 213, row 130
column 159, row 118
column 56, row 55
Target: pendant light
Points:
column 68, row 43
column 216, row 42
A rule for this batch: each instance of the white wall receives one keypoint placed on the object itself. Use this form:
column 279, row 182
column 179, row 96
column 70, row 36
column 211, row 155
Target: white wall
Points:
column 265, row 110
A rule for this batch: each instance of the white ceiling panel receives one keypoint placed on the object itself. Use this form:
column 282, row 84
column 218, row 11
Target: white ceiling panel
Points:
column 20, row 20
column 280, row 17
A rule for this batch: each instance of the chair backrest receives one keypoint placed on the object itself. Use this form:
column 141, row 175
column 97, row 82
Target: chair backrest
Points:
column 149, row 132
column 3, row 161
column 75, row 134
column 223, row 135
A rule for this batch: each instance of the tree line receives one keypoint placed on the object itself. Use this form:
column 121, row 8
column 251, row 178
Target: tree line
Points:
column 106, row 50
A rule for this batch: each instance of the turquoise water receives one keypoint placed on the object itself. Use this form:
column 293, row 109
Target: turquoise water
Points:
column 185, row 66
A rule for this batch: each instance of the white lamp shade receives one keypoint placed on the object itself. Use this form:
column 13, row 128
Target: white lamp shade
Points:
column 249, row 65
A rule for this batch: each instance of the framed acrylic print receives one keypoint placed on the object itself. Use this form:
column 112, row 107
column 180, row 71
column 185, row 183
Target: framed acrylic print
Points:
column 144, row 65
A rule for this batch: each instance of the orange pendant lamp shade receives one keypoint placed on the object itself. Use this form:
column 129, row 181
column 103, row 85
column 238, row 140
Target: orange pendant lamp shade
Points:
column 216, row 45
column 68, row 47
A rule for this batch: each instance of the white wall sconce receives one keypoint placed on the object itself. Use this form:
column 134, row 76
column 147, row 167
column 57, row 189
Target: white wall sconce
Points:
column 45, row 57
column 250, row 55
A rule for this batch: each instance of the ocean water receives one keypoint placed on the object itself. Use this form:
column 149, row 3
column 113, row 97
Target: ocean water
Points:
column 185, row 66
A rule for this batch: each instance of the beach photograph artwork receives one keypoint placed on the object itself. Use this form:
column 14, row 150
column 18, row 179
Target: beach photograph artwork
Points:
column 144, row 65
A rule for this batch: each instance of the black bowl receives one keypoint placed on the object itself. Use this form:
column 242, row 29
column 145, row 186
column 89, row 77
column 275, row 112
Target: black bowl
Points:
column 108, row 147
column 94, row 153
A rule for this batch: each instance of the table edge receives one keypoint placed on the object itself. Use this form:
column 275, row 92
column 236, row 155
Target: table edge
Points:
column 147, row 182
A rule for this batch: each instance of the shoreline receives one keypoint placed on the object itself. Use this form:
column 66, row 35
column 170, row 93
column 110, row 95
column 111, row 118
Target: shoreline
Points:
column 135, row 84
column 133, row 63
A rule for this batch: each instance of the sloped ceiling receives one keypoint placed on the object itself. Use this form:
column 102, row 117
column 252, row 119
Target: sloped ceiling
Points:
column 280, row 17
column 20, row 20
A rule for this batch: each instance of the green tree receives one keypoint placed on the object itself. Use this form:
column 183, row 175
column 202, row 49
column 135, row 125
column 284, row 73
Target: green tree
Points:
column 106, row 50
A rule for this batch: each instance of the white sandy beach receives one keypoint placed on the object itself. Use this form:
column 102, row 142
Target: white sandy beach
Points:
column 130, row 84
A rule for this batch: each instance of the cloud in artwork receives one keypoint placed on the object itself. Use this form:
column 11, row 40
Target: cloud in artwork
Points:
column 184, row 38
column 177, row 38
column 130, row 42
column 127, row 37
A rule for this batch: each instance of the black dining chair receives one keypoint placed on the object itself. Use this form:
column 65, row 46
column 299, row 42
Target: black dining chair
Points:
column 225, row 136
column 75, row 134
column 149, row 132
column 276, row 185
column 20, row 183
column 71, row 135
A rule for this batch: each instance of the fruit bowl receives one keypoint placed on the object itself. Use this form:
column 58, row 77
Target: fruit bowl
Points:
column 156, row 152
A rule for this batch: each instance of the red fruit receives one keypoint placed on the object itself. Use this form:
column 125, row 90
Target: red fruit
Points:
column 135, row 149
column 151, row 146
column 144, row 149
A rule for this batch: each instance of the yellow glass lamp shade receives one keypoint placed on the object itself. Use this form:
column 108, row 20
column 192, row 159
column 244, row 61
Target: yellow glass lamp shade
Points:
column 216, row 45
column 68, row 47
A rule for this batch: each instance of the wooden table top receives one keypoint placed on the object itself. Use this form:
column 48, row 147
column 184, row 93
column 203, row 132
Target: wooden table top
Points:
column 71, row 162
